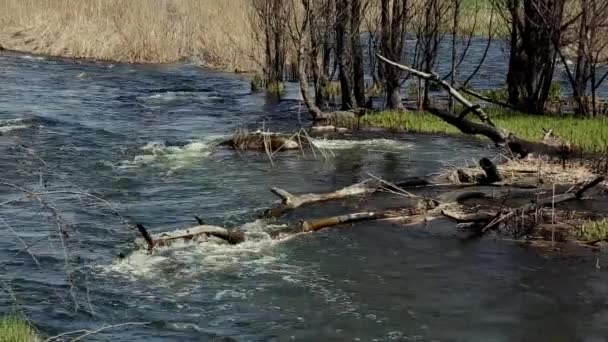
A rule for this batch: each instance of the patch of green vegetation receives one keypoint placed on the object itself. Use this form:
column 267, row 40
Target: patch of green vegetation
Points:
column 331, row 90
column 589, row 134
column 375, row 90
column 257, row 83
column 412, row 89
column 498, row 94
column 595, row 230
column 15, row 329
column 275, row 88
column 555, row 91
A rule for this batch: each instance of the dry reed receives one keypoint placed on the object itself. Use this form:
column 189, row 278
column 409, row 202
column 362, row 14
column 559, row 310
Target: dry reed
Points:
column 212, row 32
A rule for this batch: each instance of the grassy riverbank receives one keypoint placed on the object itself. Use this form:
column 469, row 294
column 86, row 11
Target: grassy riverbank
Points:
column 13, row 329
column 589, row 134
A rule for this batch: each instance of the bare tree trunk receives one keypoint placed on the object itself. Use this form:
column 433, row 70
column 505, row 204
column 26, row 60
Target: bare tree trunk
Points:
column 394, row 20
column 344, row 53
column 455, row 24
column 534, row 26
column 358, row 68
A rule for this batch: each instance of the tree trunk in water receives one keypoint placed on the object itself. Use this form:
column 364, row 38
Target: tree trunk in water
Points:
column 343, row 21
column 393, row 22
column 358, row 71
column 535, row 27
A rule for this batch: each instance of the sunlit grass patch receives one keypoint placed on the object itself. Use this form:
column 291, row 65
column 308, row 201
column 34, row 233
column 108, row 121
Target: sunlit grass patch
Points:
column 589, row 134
column 595, row 230
column 15, row 329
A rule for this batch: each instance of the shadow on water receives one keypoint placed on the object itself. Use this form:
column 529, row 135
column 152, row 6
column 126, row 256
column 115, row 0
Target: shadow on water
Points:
column 143, row 137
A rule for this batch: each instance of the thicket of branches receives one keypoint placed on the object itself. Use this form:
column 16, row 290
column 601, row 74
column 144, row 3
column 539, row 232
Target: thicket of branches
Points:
column 337, row 41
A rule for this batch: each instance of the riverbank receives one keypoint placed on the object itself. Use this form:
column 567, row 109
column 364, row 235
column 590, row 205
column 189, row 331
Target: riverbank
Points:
column 208, row 32
column 589, row 134
column 213, row 33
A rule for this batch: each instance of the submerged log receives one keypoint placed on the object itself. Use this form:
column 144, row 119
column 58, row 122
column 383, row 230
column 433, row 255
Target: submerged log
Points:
column 233, row 237
column 262, row 141
column 328, row 129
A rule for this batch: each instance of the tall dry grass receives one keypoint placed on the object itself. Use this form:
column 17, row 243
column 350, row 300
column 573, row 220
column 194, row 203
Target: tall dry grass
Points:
column 214, row 32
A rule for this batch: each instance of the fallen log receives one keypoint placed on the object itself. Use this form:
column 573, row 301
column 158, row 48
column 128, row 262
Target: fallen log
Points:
column 233, row 237
column 328, row 129
column 500, row 137
column 262, row 141
column 291, row 201
column 462, row 215
column 404, row 215
column 453, row 92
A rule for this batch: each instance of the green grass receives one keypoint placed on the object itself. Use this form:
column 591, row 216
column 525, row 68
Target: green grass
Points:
column 591, row 134
column 595, row 230
column 15, row 329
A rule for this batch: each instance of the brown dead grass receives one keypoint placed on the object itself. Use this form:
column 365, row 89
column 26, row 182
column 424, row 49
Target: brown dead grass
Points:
column 528, row 171
column 212, row 32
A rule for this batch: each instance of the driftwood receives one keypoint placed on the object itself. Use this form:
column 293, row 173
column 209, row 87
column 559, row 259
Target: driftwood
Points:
column 262, row 141
column 290, row 201
column 403, row 215
column 576, row 193
column 486, row 128
column 328, row 129
column 450, row 204
column 233, row 237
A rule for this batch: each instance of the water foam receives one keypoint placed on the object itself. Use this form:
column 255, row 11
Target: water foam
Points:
column 33, row 58
column 371, row 144
column 173, row 156
column 172, row 96
column 12, row 125
column 258, row 262
column 213, row 255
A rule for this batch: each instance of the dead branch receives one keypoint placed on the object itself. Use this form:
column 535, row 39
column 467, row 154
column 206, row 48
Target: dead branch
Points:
column 486, row 127
column 453, row 92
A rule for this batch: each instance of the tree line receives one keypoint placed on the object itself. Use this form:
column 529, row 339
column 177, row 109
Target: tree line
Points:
column 327, row 40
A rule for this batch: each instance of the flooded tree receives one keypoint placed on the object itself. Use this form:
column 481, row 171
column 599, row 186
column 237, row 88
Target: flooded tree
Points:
column 344, row 52
column 534, row 26
column 395, row 18
column 269, row 20
column 431, row 30
column 322, row 16
column 586, row 42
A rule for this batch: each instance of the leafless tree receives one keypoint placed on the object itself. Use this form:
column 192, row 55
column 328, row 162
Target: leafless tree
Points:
column 534, row 26
column 395, row 18
column 431, row 19
column 587, row 35
column 269, row 19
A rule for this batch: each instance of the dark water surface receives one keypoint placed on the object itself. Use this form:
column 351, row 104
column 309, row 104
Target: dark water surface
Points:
column 142, row 138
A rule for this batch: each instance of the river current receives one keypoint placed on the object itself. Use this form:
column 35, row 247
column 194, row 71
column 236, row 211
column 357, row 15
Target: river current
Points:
column 143, row 139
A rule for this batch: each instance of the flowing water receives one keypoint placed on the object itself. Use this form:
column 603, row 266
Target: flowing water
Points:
column 142, row 138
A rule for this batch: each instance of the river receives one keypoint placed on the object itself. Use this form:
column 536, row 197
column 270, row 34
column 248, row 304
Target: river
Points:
column 142, row 138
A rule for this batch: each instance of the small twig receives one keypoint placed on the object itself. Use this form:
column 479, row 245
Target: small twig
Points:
column 91, row 332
